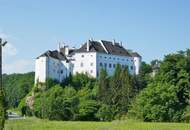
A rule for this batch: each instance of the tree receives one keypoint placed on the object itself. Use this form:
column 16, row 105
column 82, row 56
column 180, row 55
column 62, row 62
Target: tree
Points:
column 105, row 113
column 104, row 88
column 127, row 90
column 59, row 104
column 167, row 96
column 88, row 110
column 116, row 86
column 16, row 87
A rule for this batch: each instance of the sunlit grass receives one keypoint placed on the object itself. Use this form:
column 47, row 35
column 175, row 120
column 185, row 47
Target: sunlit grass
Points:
column 37, row 124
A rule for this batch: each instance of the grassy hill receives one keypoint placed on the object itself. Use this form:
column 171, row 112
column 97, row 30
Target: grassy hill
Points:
column 37, row 124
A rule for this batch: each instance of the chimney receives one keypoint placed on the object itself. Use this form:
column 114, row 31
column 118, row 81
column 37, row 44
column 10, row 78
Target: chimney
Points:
column 120, row 43
column 113, row 41
column 88, row 45
column 66, row 50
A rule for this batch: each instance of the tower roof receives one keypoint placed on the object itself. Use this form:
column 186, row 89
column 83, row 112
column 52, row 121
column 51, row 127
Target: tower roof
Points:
column 54, row 54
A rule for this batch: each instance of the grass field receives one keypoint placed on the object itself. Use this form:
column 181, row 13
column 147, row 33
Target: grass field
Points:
column 37, row 124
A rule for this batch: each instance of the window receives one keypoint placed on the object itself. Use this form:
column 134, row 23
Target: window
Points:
column 110, row 58
column 123, row 66
column 131, row 67
column 110, row 65
column 91, row 64
column 82, row 55
column 61, row 71
column 113, row 65
column 113, row 58
column 105, row 57
column 81, row 64
column 117, row 58
column 105, row 65
column 100, row 56
column 100, row 64
column 91, row 55
column 91, row 71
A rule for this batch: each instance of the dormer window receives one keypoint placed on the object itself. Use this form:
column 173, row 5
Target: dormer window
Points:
column 82, row 55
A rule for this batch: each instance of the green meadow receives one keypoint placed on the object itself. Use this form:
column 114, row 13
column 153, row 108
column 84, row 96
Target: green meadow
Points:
column 38, row 124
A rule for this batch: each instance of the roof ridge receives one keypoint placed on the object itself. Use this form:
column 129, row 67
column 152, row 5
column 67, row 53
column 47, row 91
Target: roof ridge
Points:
column 103, row 46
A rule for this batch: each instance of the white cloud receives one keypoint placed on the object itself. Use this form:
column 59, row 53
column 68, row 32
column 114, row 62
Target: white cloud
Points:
column 11, row 63
column 19, row 66
column 9, row 50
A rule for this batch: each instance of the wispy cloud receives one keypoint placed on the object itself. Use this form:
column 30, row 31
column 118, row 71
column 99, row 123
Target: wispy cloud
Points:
column 9, row 49
column 11, row 63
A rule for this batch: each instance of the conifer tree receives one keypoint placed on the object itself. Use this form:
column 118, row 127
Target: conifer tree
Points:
column 104, row 89
column 116, row 86
column 126, row 90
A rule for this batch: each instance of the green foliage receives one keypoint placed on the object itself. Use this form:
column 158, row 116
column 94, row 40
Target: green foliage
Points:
column 166, row 98
column 186, row 114
column 116, row 92
column 104, row 87
column 144, row 76
column 88, row 110
column 16, row 87
column 105, row 113
column 2, row 109
column 56, row 103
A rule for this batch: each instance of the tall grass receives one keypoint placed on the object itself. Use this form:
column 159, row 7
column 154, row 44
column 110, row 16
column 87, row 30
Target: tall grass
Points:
column 37, row 124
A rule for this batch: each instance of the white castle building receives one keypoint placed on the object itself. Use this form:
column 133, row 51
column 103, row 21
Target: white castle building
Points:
column 89, row 59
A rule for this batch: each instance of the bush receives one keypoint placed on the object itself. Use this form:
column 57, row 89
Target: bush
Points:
column 88, row 110
column 105, row 113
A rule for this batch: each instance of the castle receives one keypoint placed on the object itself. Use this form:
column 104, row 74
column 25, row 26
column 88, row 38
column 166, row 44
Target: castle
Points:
column 89, row 59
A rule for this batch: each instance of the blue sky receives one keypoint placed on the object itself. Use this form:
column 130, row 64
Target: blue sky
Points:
column 151, row 27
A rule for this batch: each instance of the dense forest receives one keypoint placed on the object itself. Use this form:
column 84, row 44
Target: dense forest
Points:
column 160, row 97
column 16, row 87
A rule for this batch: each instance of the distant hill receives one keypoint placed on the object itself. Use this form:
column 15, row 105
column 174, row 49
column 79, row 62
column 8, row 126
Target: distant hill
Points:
column 17, row 86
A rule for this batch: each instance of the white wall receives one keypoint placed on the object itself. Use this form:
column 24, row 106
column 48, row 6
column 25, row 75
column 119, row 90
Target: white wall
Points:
column 91, row 63
column 57, row 69
column 47, row 67
column 40, row 69
column 111, row 60
column 85, row 63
